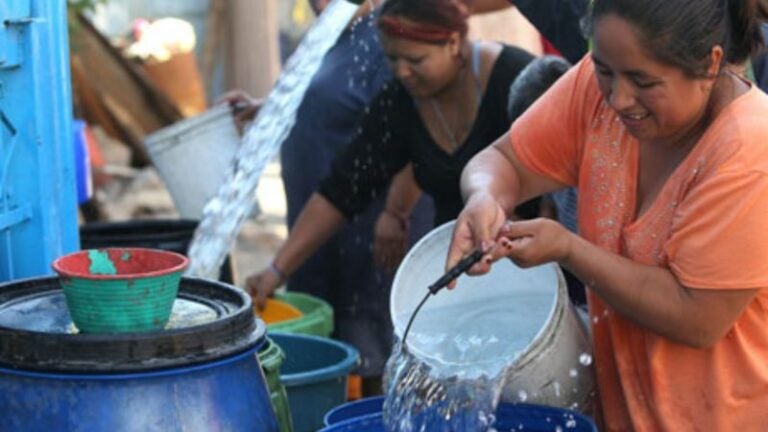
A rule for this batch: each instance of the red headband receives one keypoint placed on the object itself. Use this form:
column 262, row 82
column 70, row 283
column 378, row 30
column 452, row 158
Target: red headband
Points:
column 419, row 32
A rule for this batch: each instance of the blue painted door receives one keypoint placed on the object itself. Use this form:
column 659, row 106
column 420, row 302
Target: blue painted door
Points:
column 38, row 210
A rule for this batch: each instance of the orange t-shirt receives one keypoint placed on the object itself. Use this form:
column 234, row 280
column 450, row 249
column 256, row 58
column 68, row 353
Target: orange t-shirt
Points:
column 708, row 225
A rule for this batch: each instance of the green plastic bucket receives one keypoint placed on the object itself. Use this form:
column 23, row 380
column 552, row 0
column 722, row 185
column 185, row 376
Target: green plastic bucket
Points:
column 317, row 318
column 118, row 290
column 271, row 357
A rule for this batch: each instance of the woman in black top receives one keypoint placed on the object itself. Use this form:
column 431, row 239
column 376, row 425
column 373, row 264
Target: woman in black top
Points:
column 447, row 102
column 393, row 133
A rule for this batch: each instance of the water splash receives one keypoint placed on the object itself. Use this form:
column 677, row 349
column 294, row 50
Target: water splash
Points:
column 420, row 398
column 224, row 214
column 451, row 379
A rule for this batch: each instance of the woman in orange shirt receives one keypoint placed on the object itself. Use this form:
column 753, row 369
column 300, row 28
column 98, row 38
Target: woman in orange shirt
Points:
column 669, row 151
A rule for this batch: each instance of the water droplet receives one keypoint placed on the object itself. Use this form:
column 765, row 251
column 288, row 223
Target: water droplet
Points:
column 573, row 373
column 522, row 395
column 585, row 359
column 570, row 423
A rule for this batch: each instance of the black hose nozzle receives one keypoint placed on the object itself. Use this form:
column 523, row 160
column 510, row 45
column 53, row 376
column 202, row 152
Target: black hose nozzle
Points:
column 456, row 271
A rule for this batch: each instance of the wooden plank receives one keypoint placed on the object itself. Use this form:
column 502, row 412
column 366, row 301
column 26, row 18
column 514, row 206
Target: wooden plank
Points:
column 127, row 86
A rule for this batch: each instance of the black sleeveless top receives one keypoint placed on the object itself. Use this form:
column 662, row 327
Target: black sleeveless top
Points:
column 392, row 134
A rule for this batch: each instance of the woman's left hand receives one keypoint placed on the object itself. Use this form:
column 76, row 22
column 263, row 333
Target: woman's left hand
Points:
column 390, row 240
column 533, row 242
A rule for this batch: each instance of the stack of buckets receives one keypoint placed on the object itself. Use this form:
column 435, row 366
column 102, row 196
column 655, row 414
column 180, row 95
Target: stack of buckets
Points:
column 306, row 372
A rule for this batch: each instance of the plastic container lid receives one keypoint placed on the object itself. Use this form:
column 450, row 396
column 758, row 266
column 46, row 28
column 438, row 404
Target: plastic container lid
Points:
column 209, row 320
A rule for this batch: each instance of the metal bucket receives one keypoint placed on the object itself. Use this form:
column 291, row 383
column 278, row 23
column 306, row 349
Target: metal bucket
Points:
column 554, row 369
column 194, row 156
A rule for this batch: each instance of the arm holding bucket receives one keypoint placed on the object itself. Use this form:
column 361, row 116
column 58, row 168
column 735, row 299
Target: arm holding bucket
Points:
column 318, row 221
column 648, row 295
column 492, row 183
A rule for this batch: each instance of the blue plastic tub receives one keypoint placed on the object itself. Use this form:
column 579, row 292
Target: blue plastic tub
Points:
column 314, row 375
column 509, row 418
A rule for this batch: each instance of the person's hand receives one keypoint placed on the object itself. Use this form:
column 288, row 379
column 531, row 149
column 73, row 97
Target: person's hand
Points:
column 477, row 227
column 262, row 285
column 244, row 107
column 533, row 242
column 390, row 240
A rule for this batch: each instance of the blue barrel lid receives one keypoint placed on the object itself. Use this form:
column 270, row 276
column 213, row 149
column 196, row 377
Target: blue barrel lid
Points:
column 210, row 320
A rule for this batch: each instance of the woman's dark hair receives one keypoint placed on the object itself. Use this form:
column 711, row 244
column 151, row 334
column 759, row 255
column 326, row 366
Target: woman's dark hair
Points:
column 682, row 33
column 449, row 14
column 533, row 81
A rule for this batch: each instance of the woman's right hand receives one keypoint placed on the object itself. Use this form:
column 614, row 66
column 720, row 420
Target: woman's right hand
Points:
column 477, row 227
column 262, row 285
column 244, row 107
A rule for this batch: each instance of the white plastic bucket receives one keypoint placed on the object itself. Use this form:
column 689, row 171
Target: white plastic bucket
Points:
column 194, row 156
column 554, row 369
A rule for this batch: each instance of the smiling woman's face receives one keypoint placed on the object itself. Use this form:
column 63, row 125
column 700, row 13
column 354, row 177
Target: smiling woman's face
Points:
column 655, row 101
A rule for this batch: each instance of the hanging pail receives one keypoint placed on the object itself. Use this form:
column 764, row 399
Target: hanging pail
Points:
column 194, row 157
column 314, row 375
column 271, row 358
column 554, row 364
column 200, row 373
column 316, row 315
column 509, row 418
column 172, row 235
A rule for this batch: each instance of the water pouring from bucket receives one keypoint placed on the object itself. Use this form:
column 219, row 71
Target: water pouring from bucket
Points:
column 225, row 212
column 493, row 338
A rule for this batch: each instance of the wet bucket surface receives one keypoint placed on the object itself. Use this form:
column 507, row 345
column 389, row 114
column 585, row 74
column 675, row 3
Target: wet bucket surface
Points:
column 200, row 374
column 509, row 418
column 540, row 354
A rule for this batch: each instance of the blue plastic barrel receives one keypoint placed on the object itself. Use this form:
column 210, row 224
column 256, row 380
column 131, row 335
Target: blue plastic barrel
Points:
column 314, row 375
column 509, row 418
column 201, row 373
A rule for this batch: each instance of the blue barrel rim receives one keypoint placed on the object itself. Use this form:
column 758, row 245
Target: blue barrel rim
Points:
column 235, row 330
column 181, row 370
column 354, row 406
column 351, row 357
column 540, row 410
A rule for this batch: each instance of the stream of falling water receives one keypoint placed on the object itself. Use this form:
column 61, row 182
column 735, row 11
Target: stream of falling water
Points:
column 452, row 376
column 224, row 213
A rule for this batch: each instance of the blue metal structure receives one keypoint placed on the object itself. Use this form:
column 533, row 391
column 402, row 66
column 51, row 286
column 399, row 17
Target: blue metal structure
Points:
column 38, row 210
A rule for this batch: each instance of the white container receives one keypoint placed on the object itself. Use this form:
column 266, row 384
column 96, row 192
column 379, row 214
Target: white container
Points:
column 194, row 157
column 554, row 369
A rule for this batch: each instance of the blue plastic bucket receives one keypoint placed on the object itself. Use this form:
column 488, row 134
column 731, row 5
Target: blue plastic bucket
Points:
column 509, row 418
column 314, row 375
column 358, row 408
